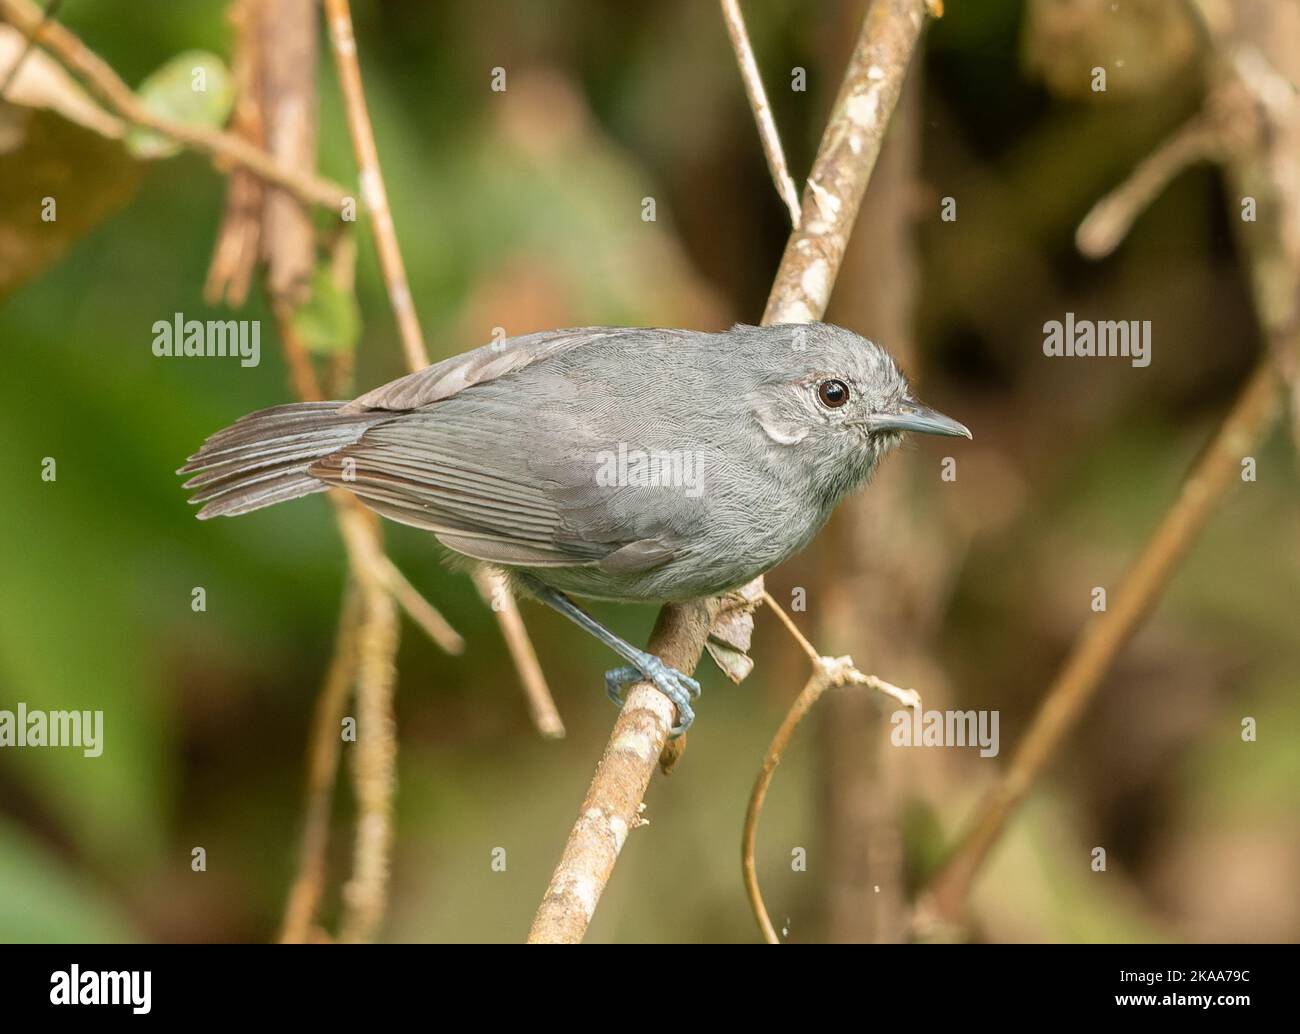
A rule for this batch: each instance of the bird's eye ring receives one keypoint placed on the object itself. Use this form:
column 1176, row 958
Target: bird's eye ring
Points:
column 833, row 394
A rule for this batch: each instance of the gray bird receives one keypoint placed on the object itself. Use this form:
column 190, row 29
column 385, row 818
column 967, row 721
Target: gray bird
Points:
column 612, row 463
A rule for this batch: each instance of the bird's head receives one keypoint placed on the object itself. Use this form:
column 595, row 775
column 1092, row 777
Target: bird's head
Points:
column 837, row 402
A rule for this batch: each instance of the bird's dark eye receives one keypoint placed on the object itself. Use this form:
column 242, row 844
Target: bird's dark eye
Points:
column 833, row 393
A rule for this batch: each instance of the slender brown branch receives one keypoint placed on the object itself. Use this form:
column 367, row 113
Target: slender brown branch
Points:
column 302, row 375
column 849, row 148
column 827, row 672
column 100, row 77
column 338, row 17
column 541, row 706
column 1251, row 416
column 323, row 753
column 374, row 771
column 283, row 96
column 792, row 628
column 367, row 887
column 343, row 43
column 235, row 253
column 8, row 77
column 847, row 155
column 767, row 131
column 418, row 609
column 1110, row 219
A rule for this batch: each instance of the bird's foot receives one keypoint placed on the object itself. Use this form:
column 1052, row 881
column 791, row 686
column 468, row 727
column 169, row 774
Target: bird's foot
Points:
column 677, row 686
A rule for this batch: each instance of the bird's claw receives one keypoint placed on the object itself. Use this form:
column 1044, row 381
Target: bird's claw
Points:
column 677, row 686
column 617, row 680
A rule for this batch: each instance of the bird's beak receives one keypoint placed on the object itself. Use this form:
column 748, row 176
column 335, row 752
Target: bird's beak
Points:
column 909, row 415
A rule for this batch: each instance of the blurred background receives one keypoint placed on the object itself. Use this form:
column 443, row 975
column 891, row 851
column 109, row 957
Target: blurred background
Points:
column 522, row 209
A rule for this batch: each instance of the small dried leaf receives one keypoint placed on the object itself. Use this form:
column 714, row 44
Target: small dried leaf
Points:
column 735, row 664
column 733, row 631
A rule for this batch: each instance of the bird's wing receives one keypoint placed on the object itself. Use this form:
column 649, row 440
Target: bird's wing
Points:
column 479, row 366
column 467, row 470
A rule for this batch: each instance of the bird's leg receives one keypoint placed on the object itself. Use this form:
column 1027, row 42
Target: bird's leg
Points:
column 677, row 686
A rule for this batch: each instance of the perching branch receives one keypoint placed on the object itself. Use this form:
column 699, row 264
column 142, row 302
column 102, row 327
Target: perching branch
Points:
column 101, row 78
column 849, row 148
column 767, row 131
column 612, row 806
column 1261, row 72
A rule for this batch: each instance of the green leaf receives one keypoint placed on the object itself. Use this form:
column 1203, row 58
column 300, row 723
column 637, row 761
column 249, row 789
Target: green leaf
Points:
column 193, row 88
column 329, row 321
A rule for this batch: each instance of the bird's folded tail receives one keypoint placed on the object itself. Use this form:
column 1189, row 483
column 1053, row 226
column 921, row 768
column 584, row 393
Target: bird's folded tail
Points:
column 262, row 458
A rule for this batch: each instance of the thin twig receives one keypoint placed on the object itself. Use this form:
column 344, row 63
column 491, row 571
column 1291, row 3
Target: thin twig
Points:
column 235, row 253
column 767, row 131
column 51, row 10
column 323, row 753
column 374, row 772
column 343, row 43
column 849, row 148
column 97, row 74
column 418, row 609
column 338, row 17
column 827, row 672
column 793, row 629
column 1109, row 220
column 286, row 95
column 541, row 706
column 1250, row 418
column 366, row 890
column 302, row 375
